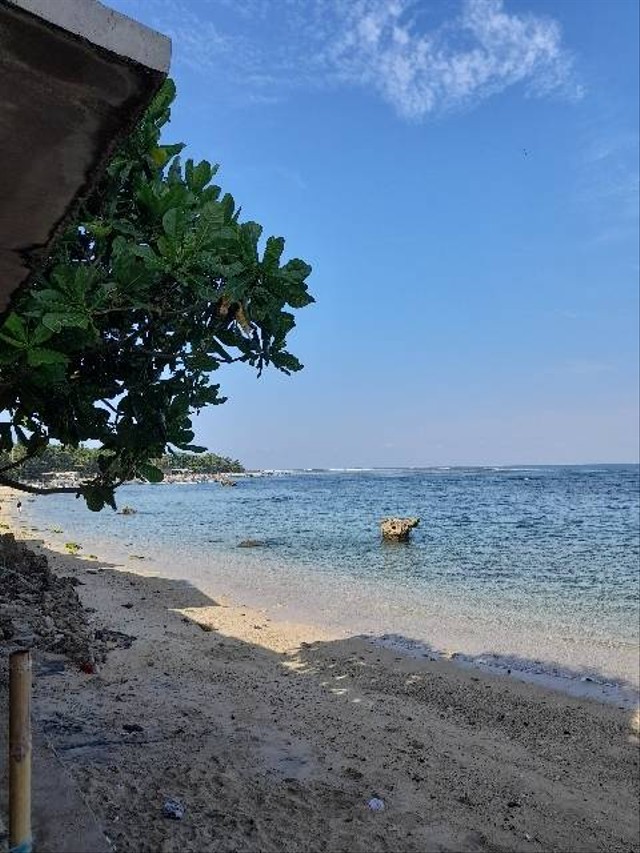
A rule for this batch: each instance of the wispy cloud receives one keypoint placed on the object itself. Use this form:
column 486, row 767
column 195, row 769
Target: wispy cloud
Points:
column 382, row 46
column 609, row 184
column 481, row 51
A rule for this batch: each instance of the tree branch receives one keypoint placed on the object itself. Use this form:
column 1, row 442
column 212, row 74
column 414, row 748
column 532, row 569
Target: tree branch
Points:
column 38, row 490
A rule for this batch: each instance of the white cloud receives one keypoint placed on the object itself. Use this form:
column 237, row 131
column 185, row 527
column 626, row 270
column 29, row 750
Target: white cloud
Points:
column 480, row 52
column 481, row 49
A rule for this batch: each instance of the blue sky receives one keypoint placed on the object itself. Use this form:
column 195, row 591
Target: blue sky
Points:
column 463, row 177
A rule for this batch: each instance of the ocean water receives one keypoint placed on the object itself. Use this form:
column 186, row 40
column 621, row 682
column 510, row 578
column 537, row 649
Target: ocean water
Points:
column 533, row 569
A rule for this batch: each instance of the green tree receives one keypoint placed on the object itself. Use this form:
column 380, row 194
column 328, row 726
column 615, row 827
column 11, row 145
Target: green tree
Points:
column 156, row 285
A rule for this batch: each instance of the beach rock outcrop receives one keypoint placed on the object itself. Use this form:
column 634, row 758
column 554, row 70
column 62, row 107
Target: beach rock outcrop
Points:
column 397, row 529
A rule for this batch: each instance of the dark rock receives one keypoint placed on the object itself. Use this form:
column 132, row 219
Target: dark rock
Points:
column 173, row 809
column 114, row 639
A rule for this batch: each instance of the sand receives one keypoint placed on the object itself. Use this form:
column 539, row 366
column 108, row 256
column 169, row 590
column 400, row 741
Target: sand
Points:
column 276, row 736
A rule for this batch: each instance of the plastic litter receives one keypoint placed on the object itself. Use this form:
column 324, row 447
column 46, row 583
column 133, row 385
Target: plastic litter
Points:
column 375, row 805
column 173, row 809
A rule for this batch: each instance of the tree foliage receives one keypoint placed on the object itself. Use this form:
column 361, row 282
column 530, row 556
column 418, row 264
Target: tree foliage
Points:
column 156, row 285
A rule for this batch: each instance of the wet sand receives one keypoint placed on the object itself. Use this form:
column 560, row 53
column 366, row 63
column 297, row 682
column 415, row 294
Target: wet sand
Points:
column 276, row 736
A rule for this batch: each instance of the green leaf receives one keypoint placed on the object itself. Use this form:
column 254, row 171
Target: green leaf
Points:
column 55, row 321
column 198, row 177
column 159, row 156
column 37, row 357
column 14, row 331
column 97, row 496
column 170, row 222
column 124, row 227
column 147, row 254
column 273, row 253
column 40, row 335
column 151, row 473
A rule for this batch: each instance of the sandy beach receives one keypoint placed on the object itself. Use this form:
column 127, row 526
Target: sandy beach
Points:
column 275, row 736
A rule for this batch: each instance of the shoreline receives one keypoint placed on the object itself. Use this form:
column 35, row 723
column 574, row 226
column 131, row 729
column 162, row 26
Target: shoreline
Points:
column 442, row 632
column 275, row 737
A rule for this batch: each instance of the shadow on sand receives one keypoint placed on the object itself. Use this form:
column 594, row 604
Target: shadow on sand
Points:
column 281, row 750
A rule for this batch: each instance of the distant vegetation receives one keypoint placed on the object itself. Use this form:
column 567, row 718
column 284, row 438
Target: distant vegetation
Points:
column 84, row 461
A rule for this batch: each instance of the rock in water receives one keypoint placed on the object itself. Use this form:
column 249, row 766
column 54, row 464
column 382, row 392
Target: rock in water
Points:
column 397, row 529
column 251, row 543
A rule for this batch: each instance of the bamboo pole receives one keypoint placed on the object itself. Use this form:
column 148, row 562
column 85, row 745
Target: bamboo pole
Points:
column 20, row 752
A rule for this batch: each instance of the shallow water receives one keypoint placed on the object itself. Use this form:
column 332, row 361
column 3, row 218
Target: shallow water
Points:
column 534, row 568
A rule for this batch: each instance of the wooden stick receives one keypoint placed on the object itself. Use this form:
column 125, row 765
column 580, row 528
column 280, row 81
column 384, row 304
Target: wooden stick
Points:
column 20, row 751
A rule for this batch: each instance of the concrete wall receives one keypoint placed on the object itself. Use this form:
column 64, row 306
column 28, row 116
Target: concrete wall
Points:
column 74, row 78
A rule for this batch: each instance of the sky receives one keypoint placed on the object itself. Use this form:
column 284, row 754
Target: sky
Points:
column 463, row 177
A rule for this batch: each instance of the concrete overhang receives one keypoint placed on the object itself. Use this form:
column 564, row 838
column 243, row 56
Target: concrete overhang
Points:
column 74, row 78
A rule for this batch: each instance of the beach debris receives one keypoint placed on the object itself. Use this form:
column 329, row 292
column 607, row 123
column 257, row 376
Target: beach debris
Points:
column 352, row 773
column 173, row 809
column 252, row 543
column 36, row 603
column 375, row 804
column 397, row 529
column 114, row 639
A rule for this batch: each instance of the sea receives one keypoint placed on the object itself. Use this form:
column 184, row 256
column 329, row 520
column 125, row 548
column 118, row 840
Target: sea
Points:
column 528, row 570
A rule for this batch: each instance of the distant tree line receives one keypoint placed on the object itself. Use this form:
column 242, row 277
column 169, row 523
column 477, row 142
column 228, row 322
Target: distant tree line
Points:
column 84, row 461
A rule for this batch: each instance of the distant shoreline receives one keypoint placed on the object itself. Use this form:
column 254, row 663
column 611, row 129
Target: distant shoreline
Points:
column 74, row 479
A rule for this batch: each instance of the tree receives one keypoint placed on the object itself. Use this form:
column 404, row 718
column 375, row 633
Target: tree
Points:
column 156, row 285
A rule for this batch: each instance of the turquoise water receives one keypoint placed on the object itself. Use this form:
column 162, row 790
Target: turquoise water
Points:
column 536, row 565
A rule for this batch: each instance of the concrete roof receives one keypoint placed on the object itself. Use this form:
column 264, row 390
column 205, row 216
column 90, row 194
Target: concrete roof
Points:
column 74, row 78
